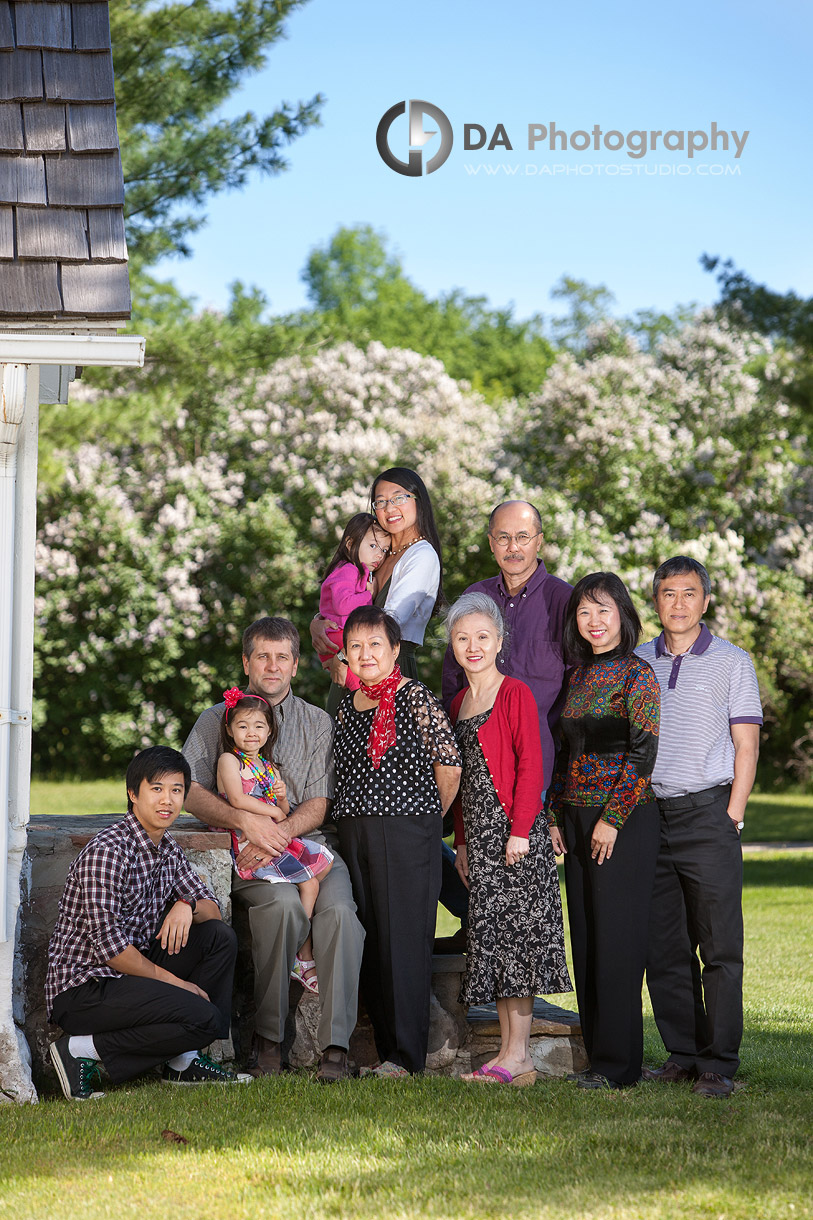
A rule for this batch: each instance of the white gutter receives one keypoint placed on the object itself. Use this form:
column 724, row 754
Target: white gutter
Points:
column 48, row 348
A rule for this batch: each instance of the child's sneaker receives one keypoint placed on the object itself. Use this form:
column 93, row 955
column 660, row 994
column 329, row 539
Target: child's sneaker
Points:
column 77, row 1077
column 203, row 1070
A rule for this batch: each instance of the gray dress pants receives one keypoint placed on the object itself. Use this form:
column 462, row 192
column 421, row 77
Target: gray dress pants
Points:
column 279, row 928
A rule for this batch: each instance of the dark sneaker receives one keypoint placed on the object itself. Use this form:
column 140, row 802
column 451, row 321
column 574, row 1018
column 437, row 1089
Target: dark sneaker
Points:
column 78, row 1077
column 203, row 1070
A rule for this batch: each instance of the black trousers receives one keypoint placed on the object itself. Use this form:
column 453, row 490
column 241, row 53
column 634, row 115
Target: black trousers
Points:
column 608, row 909
column 697, row 906
column 394, row 865
column 138, row 1023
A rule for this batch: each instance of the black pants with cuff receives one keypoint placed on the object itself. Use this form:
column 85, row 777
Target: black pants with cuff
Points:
column 138, row 1023
column 394, row 864
column 697, row 907
column 608, row 910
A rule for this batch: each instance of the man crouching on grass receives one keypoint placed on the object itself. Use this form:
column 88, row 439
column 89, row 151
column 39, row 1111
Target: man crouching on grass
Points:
column 140, row 965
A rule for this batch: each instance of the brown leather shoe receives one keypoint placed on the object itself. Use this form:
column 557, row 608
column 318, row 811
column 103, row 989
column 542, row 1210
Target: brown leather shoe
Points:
column 265, row 1058
column 712, row 1084
column 334, row 1066
column 670, row 1073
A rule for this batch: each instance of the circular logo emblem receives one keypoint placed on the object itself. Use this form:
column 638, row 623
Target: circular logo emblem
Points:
column 413, row 166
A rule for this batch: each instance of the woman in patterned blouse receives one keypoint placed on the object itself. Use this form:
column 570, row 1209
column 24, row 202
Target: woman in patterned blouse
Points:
column 604, row 818
column 397, row 772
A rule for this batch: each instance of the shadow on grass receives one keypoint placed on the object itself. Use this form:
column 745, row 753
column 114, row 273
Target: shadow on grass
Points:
column 417, row 1148
column 780, row 871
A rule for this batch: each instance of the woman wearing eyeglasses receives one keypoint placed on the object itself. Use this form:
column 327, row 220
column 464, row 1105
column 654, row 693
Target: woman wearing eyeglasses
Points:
column 409, row 583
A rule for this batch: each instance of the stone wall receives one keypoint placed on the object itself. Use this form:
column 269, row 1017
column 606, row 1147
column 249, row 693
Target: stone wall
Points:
column 15, row 1059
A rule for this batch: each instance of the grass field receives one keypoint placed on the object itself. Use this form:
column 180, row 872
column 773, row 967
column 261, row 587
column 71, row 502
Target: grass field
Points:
column 436, row 1148
column 770, row 818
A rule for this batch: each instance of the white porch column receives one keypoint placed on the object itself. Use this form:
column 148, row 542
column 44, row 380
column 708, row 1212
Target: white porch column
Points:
column 19, row 411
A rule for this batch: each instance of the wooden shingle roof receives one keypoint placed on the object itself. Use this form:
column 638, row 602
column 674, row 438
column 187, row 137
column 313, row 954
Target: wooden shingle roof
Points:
column 63, row 254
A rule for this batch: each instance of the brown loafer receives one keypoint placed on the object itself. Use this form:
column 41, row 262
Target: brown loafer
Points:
column 670, row 1073
column 333, row 1066
column 712, row 1084
column 265, row 1058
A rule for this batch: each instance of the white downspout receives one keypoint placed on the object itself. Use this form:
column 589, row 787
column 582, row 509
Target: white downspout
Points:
column 19, row 412
column 13, row 378
column 22, row 615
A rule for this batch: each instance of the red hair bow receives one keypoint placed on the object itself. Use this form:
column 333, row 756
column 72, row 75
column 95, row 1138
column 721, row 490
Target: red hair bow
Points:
column 232, row 697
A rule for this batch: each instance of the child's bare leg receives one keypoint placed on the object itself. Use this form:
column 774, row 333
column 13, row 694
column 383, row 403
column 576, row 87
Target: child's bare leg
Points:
column 308, row 893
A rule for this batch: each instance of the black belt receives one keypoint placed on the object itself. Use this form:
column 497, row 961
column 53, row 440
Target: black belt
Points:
column 693, row 800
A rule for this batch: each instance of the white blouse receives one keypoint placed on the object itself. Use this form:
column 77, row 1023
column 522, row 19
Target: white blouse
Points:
column 413, row 589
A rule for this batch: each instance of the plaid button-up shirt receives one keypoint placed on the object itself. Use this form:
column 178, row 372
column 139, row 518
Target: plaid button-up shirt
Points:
column 117, row 889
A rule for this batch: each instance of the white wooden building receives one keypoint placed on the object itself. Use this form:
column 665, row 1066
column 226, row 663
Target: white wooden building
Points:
column 64, row 294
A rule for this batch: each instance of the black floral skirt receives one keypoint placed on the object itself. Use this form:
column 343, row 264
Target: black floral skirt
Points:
column 515, row 944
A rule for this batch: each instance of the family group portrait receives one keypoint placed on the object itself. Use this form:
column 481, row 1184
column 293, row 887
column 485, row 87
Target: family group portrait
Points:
column 406, row 615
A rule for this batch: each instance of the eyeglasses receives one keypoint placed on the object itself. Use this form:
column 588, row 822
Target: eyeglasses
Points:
column 380, row 504
column 521, row 539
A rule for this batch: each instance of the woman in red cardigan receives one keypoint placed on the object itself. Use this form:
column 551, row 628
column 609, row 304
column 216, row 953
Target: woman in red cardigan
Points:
column 515, row 944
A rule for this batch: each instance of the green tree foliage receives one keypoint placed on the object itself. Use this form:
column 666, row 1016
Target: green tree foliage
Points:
column 360, row 293
column 176, row 63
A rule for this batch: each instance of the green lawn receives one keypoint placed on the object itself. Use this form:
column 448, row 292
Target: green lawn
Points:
column 784, row 818
column 437, row 1148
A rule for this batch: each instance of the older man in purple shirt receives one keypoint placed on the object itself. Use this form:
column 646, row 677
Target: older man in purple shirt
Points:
column 533, row 605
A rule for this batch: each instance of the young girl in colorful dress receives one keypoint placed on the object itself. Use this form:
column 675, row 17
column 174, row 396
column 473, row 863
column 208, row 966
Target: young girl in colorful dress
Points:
column 348, row 580
column 247, row 780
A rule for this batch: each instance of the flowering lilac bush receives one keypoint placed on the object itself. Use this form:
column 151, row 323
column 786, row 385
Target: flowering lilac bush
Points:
column 685, row 450
column 153, row 556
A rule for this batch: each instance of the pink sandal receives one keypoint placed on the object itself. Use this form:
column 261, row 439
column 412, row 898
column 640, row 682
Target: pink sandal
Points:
column 300, row 973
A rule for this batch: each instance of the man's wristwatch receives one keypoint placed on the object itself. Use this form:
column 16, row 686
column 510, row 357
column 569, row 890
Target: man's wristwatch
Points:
column 740, row 825
column 189, row 900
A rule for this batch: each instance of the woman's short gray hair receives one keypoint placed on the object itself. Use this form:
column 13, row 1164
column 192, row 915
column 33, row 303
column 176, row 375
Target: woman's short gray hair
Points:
column 474, row 603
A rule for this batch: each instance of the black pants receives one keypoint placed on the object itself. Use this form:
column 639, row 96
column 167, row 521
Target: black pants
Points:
column 394, row 864
column 138, row 1023
column 697, row 905
column 608, row 909
column 453, row 894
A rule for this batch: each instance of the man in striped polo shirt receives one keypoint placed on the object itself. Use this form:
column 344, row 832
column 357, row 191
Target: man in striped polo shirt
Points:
column 707, row 756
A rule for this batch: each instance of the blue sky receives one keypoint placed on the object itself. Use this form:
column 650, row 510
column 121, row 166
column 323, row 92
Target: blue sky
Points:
column 511, row 235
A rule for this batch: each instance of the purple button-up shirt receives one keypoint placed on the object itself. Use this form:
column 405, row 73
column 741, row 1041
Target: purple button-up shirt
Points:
column 532, row 650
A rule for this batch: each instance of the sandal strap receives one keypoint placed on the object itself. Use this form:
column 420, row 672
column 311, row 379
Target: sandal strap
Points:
column 499, row 1073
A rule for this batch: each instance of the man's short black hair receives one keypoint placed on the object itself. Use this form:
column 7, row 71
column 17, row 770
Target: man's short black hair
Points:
column 154, row 763
column 275, row 629
column 679, row 565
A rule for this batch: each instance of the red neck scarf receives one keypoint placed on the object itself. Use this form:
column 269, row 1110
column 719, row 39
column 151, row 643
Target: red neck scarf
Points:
column 382, row 733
